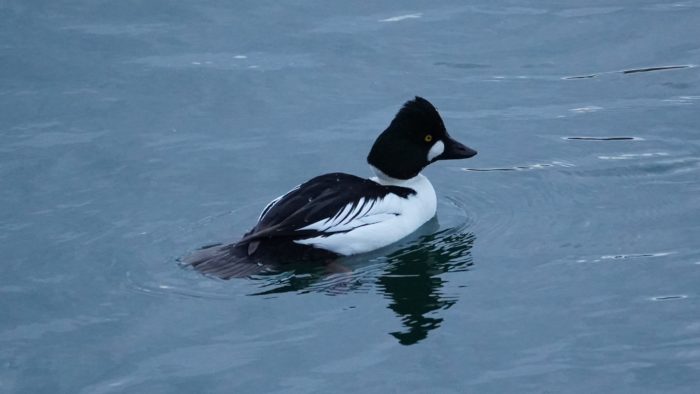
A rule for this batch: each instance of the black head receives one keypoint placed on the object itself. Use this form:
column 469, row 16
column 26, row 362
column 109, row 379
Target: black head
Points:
column 415, row 138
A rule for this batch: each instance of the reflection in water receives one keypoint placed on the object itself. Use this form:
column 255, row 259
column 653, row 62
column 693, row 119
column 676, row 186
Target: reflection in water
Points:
column 412, row 281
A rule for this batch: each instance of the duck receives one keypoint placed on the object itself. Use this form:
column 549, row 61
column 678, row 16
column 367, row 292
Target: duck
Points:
column 338, row 214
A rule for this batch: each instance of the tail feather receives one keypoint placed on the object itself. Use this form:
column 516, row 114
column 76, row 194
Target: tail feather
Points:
column 224, row 261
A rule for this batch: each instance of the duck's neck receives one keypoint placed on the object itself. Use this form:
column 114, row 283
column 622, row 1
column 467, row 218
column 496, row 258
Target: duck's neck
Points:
column 385, row 179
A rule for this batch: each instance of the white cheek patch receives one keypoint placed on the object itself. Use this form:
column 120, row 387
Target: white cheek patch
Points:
column 436, row 150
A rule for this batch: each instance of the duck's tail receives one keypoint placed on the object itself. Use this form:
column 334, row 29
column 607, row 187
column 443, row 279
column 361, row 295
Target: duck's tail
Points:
column 224, row 261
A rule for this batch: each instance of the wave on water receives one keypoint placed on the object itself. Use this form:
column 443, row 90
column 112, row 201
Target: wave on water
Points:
column 633, row 71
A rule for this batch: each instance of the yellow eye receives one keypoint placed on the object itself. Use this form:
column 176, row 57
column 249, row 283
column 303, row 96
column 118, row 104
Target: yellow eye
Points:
column 428, row 138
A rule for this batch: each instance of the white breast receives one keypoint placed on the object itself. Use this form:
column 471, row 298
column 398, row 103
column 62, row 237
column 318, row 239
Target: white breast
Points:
column 389, row 220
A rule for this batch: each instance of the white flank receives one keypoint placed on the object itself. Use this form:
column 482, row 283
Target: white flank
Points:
column 436, row 150
column 379, row 224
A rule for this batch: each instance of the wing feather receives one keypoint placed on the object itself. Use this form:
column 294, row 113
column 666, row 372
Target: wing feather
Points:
column 275, row 201
column 325, row 205
column 368, row 212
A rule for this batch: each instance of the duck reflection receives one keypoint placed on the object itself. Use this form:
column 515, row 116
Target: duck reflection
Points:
column 410, row 278
column 413, row 284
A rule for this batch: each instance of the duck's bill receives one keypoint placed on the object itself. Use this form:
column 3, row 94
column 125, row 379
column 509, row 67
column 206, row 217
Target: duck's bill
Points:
column 455, row 150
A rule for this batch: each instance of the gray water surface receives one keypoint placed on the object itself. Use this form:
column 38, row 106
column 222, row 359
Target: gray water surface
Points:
column 565, row 257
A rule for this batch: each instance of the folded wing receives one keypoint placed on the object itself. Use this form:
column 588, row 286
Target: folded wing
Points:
column 326, row 205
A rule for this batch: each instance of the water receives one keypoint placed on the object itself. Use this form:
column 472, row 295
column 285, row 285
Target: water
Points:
column 564, row 258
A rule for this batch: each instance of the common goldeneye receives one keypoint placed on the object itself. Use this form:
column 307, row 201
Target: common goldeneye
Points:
column 340, row 214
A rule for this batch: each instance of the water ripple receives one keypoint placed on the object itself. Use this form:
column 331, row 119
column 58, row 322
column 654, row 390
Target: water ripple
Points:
column 231, row 61
column 169, row 285
column 527, row 167
column 610, row 138
column 401, row 17
column 628, row 156
column 624, row 256
column 669, row 297
column 632, row 71
column 639, row 164
column 482, row 210
column 586, row 109
column 682, row 99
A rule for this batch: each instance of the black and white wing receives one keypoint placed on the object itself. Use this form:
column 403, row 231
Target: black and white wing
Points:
column 325, row 205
